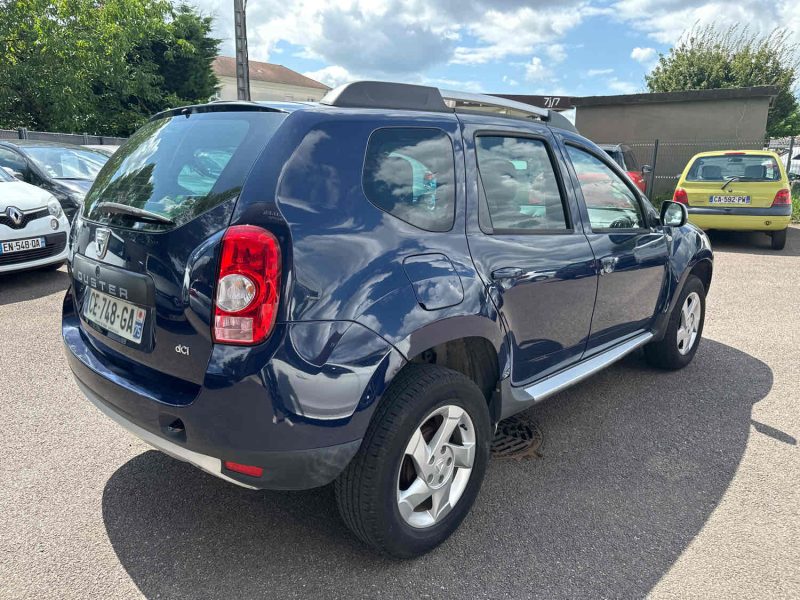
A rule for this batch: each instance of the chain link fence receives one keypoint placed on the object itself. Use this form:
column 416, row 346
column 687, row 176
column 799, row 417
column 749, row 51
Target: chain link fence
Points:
column 65, row 138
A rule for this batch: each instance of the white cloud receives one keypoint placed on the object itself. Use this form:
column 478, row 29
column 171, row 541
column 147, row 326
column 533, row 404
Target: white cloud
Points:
column 596, row 72
column 643, row 55
column 556, row 52
column 618, row 86
column 535, row 70
column 509, row 81
column 333, row 76
column 665, row 20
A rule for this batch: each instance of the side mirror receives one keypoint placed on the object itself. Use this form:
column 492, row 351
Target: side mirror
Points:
column 647, row 169
column 674, row 214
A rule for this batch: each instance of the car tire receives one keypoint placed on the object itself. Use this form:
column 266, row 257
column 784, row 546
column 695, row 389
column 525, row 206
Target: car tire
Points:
column 684, row 329
column 384, row 476
column 778, row 239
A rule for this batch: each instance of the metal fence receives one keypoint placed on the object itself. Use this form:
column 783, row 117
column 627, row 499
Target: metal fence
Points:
column 68, row 138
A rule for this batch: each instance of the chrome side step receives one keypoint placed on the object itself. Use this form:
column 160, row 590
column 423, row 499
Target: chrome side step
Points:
column 516, row 399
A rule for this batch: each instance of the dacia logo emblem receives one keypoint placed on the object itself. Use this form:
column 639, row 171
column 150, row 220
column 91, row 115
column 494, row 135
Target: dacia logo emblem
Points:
column 101, row 236
column 15, row 214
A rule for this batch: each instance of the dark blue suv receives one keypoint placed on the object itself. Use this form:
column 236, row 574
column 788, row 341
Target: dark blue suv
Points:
column 357, row 291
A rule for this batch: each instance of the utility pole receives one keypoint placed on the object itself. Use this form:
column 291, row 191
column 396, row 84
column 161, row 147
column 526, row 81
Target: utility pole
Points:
column 242, row 62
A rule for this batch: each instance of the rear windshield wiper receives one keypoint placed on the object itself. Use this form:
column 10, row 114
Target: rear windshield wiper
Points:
column 729, row 181
column 115, row 208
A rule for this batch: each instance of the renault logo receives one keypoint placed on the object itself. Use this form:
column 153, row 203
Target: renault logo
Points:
column 15, row 214
column 101, row 236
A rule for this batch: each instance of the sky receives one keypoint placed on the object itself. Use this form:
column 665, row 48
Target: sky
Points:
column 546, row 47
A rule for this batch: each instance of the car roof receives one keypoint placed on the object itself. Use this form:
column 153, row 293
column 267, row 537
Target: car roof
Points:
column 746, row 152
column 609, row 146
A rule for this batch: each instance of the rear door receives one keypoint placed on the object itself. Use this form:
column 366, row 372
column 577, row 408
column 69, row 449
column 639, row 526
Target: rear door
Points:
column 536, row 263
column 728, row 179
column 146, row 246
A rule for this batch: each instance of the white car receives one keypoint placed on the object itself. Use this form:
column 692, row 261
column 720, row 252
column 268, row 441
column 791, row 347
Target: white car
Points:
column 33, row 228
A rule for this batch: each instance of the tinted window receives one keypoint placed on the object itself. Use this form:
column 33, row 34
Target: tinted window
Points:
column 180, row 167
column 631, row 163
column 409, row 173
column 519, row 184
column 723, row 167
column 611, row 203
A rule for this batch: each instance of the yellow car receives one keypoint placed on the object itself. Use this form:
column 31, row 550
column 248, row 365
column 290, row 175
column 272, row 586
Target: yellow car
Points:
column 737, row 189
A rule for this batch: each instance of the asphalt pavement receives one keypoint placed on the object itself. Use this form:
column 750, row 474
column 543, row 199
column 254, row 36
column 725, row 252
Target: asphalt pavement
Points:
column 648, row 483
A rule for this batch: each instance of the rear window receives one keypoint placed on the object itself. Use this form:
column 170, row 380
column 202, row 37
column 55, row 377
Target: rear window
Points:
column 409, row 173
column 180, row 167
column 727, row 166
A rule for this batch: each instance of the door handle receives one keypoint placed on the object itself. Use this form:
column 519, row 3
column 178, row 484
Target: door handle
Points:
column 608, row 264
column 507, row 273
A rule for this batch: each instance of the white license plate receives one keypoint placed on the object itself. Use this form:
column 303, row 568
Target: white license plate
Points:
column 729, row 200
column 115, row 315
column 21, row 245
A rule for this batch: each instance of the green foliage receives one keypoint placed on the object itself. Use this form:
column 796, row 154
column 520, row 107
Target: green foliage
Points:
column 796, row 203
column 101, row 67
column 707, row 58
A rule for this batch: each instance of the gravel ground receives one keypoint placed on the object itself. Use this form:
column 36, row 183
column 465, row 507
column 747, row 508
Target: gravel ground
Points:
column 668, row 484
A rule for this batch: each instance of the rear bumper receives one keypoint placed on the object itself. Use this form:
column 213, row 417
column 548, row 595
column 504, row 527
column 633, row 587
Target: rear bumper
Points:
column 741, row 219
column 238, row 420
column 288, row 470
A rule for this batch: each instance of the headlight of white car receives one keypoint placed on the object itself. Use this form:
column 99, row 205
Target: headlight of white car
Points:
column 54, row 208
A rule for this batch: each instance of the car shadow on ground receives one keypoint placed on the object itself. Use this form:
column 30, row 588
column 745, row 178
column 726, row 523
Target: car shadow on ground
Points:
column 30, row 285
column 754, row 242
column 634, row 461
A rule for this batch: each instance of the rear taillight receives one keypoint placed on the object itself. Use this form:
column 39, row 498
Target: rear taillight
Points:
column 248, row 286
column 783, row 196
column 680, row 196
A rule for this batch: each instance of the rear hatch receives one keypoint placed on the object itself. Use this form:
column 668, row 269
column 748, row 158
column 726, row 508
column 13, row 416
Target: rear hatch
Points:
column 733, row 179
column 147, row 244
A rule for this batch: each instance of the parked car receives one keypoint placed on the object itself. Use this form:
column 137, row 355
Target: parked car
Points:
column 33, row 228
column 64, row 170
column 624, row 156
column 739, row 190
column 359, row 290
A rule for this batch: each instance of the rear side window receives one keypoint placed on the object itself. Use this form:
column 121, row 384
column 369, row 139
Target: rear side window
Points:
column 520, row 185
column 180, row 167
column 741, row 166
column 409, row 173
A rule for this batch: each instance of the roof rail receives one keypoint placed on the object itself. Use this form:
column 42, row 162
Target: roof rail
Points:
column 404, row 96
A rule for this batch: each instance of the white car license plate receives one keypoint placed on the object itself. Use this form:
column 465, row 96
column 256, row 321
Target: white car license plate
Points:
column 729, row 200
column 115, row 315
column 21, row 245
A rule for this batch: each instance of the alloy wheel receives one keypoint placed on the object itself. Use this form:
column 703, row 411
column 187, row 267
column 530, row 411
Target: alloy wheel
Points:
column 691, row 313
column 436, row 466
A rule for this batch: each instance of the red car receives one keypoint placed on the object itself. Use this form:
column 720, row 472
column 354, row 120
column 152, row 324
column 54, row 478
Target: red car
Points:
column 625, row 158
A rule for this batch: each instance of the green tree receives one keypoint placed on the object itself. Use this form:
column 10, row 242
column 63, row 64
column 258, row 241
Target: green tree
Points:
column 100, row 66
column 706, row 58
